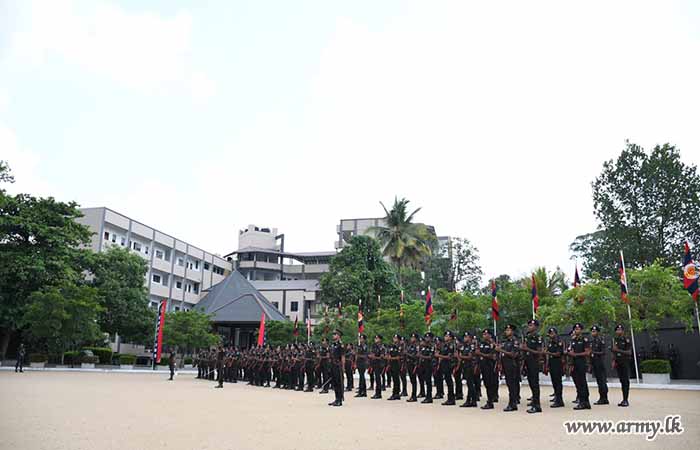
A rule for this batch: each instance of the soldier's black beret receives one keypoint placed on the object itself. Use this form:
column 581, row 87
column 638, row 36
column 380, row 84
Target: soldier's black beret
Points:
column 552, row 330
column 510, row 326
column 486, row 331
column 578, row 325
column 338, row 332
column 595, row 328
column 449, row 333
column 466, row 334
column 378, row 336
column 429, row 334
column 415, row 335
column 534, row 322
column 619, row 326
column 397, row 336
column 363, row 336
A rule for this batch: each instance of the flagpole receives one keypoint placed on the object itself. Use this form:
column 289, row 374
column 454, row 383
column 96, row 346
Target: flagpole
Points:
column 494, row 328
column 629, row 316
column 697, row 316
column 533, row 309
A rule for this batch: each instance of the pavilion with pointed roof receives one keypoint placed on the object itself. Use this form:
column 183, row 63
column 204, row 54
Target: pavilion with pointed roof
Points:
column 235, row 307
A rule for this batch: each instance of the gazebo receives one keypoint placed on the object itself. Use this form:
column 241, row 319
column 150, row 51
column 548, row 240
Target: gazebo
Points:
column 235, row 307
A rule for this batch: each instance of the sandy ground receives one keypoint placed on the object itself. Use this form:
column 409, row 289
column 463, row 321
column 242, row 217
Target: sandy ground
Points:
column 137, row 411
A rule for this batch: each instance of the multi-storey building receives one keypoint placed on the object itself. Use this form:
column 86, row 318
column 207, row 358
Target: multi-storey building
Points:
column 177, row 270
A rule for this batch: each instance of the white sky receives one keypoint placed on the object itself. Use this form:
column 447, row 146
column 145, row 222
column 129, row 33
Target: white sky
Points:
column 200, row 118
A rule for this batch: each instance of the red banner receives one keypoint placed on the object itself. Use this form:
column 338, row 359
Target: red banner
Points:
column 160, row 321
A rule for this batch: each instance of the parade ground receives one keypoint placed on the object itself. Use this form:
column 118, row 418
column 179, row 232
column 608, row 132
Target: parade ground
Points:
column 96, row 411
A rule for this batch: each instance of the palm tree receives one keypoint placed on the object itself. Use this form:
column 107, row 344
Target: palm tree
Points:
column 548, row 284
column 405, row 243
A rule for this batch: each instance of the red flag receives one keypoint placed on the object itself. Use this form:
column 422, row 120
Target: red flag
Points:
column 577, row 279
column 360, row 322
column 296, row 326
column 623, row 280
column 690, row 274
column 494, row 300
column 453, row 316
column 261, row 331
column 158, row 347
column 428, row 307
column 535, row 297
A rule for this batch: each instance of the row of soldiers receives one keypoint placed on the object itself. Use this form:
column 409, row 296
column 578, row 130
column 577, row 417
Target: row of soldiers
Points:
column 432, row 363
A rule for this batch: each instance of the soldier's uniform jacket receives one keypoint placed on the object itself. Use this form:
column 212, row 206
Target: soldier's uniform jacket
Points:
column 447, row 349
column 427, row 350
column 394, row 351
column 622, row 343
column 510, row 345
column 533, row 341
column 597, row 346
column 378, row 351
column 411, row 354
column 336, row 353
column 309, row 357
column 555, row 346
column 466, row 350
column 579, row 344
column 486, row 348
column 361, row 356
column 323, row 354
column 348, row 357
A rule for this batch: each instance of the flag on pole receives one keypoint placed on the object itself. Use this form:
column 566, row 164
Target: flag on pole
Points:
column 428, row 307
column 158, row 341
column 453, row 316
column 308, row 327
column 577, row 279
column 623, row 280
column 360, row 322
column 494, row 300
column 402, row 320
column 296, row 327
column 261, row 331
column 690, row 274
column 535, row 297
column 340, row 310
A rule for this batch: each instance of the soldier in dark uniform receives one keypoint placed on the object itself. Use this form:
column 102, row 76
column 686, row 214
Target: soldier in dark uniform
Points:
column 622, row 352
column 376, row 358
column 337, row 363
column 171, row 365
column 581, row 351
column 349, row 367
column 361, row 364
column 402, row 371
column 465, row 354
column 457, row 369
column 394, row 360
column 438, row 380
column 445, row 355
column 411, row 358
column 598, row 362
column 532, row 345
column 325, row 365
column 220, row 366
column 309, row 361
column 21, row 353
column 425, row 355
column 554, row 352
column 486, row 351
column 509, row 350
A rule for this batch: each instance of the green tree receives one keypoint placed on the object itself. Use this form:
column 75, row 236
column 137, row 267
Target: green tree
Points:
column 357, row 273
column 5, row 173
column 40, row 247
column 404, row 242
column 118, row 277
column 281, row 332
column 189, row 330
column 455, row 266
column 61, row 318
column 646, row 204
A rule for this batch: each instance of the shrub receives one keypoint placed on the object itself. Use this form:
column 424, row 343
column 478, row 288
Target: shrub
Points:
column 188, row 360
column 38, row 357
column 164, row 361
column 104, row 354
column 655, row 366
column 71, row 358
column 87, row 359
column 127, row 360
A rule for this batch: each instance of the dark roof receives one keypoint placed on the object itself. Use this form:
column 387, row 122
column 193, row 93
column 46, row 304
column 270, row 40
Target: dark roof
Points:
column 234, row 299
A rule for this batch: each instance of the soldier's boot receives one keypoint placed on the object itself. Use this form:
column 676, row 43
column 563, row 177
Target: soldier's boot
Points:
column 535, row 408
column 623, row 403
column 602, row 401
column 488, row 405
column 510, row 408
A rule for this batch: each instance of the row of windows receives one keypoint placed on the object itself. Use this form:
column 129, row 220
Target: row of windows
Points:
column 164, row 280
column 175, row 308
column 293, row 306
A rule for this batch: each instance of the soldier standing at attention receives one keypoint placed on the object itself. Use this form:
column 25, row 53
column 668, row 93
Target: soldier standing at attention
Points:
column 325, row 369
column 411, row 355
column 220, row 366
column 580, row 350
column 622, row 351
column 598, row 361
column 309, row 359
column 438, row 380
column 361, row 363
column 425, row 355
column 533, row 346
column 337, row 363
column 486, row 351
column 349, row 367
column 445, row 356
column 466, row 359
column 21, row 352
column 377, row 360
column 171, row 365
column 509, row 359
column 554, row 353
column 402, row 370
column 394, row 360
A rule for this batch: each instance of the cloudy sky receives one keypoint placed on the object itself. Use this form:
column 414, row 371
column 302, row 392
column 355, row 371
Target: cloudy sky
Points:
column 199, row 118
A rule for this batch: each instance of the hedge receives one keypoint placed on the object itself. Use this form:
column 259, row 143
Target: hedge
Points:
column 164, row 361
column 188, row 360
column 104, row 354
column 38, row 357
column 655, row 366
column 127, row 360
column 71, row 358
column 86, row 359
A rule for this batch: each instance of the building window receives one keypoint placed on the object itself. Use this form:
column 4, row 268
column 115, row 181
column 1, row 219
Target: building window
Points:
column 159, row 254
column 276, row 305
column 196, row 288
column 156, row 278
column 136, row 246
column 145, row 249
column 218, row 270
column 178, row 284
column 196, row 264
column 177, row 308
column 106, row 235
column 153, row 304
column 180, row 261
column 206, row 266
column 294, row 306
column 123, row 239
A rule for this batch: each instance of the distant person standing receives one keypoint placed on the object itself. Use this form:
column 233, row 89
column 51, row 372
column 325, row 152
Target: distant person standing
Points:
column 622, row 352
column 220, row 366
column 21, row 352
column 171, row 364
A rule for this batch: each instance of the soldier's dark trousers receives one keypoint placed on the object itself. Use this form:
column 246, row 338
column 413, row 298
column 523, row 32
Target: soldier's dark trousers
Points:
column 579, row 376
column 511, row 373
column 421, row 381
column 446, row 371
column 459, row 391
column 325, row 375
column 395, row 379
column 471, row 384
column 623, row 373
column 300, row 372
column 349, row 375
column 556, row 373
column 336, row 380
column 172, row 372
column 428, row 377
column 533, row 379
column 220, row 373
column 363, row 383
column 488, row 375
column 310, row 379
column 412, row 378
column 402, row 374
column 601, row 378
column 377, row 377
column 439, row 384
